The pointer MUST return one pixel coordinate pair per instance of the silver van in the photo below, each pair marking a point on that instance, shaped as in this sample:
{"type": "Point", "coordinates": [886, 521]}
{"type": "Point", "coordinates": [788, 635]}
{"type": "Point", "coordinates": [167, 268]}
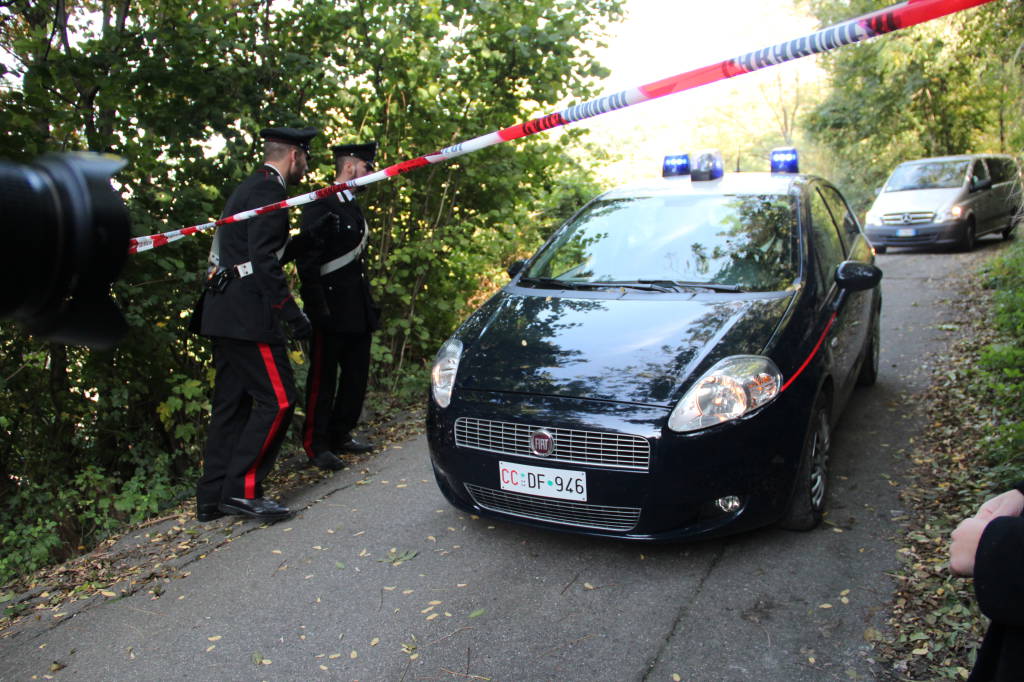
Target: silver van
{"type": "Point", "coordinates": [946, 200]}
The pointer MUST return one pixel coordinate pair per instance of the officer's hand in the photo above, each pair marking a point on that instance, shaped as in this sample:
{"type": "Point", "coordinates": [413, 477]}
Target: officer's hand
{"type": "Point", "coordinates": [299, 326]}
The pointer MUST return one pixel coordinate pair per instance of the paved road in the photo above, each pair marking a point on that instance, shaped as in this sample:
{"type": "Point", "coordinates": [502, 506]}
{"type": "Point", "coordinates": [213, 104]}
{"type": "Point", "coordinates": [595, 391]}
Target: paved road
{"type": "Point", "coordinates": [326, 595]}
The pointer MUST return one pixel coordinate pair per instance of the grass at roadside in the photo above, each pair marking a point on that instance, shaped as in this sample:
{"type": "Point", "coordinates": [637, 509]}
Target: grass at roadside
{"type": "Point", "coordinates": [973, 448]}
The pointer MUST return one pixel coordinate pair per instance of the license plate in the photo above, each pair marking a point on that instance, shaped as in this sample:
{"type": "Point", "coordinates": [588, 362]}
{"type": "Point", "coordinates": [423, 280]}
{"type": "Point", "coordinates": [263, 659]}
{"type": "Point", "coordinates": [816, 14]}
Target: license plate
{"type": "Point", "coordinates": [543, 481]}
{"type": "Point", "coordinates": [906, 232]}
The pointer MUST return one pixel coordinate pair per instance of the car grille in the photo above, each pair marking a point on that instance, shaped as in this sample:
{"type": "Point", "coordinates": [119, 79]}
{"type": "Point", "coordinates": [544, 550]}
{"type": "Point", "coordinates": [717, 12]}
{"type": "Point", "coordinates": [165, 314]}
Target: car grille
{"type": "Point", "coordinates": [578, 514]}
{"type": "Point", "coordinates": [612, 450]}
{"type": "Point", "coordinates": [909, 218]}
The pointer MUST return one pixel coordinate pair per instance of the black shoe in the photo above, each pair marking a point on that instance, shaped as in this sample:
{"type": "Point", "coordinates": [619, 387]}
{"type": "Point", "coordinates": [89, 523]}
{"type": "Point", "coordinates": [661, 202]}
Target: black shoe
{"type": "Point", "coordinates": [208, 512]}
{"type": "Point", "coordinates": [354, 445]}
{"type": "Point", "coordinates": [258, 508]}
{"type": "Point", "coordinates": [327, 460]}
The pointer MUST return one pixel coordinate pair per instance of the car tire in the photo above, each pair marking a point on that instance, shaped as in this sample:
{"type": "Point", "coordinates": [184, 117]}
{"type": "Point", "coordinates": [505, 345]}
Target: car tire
{"type": "Point", "coordinates": [967, 239]}
{"type": "Point", "coordinates": [1009, 230]}
{"type": "Point", "coordinates": [807, 504]}
{"type": "Point", "coordinates": [881, 249]}
{"type": "Point", "coordinates": [869, 368]}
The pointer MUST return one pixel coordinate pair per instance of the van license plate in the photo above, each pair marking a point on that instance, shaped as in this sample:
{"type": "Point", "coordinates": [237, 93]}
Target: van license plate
{"type": "Point", "coordinates": [906, 232]}
{"type": "Point", "coordinates": [543, 481]}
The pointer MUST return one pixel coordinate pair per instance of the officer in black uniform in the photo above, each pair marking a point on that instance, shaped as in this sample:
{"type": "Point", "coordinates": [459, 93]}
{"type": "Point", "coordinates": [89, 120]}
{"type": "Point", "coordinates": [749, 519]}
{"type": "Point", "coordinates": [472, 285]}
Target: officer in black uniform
{"type": "Point", "coordinates": [336, 293]}
{"type": "Point", "coordinates": [246, 303]}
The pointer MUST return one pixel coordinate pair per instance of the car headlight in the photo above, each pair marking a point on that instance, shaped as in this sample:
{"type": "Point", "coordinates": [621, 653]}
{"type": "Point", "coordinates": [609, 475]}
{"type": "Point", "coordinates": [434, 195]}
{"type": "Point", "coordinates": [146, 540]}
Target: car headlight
{"type": "Point", "coordinates": [729, 390]}
{"type": "Point", "coordinates": [952, 213]}
{"type": "Point", "coordinates": [442, 375]}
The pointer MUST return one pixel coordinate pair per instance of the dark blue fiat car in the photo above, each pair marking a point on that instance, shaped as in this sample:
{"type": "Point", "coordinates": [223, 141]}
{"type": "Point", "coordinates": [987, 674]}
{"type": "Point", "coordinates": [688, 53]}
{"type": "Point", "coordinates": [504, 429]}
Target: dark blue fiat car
{"type": "Point", "coordinates": [668, 365]}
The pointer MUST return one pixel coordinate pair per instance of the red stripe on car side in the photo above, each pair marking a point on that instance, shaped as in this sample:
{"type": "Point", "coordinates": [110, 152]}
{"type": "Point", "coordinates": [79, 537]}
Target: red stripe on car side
{"type": "Point", "coordinates": [814, 352]}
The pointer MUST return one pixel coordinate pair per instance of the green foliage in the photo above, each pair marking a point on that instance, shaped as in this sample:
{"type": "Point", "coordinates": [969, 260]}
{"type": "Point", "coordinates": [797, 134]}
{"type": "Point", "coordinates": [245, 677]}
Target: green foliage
{"type": "Point", "coordinates": [949, 86]}
{"type": "Point", "coordinates": [90, 440]}
{"type": "Point", "coordinates": [1001, 371]}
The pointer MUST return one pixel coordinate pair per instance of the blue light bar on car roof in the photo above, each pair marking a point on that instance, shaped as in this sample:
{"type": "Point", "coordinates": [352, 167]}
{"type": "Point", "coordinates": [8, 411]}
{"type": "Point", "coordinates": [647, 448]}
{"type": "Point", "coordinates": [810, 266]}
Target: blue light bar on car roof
{"type": "Point", "coordinates": [678, 164]}
{"type": "Point", "coordinates": [785, 160]}
{"type": "Point", "coordinates": [707, 166]}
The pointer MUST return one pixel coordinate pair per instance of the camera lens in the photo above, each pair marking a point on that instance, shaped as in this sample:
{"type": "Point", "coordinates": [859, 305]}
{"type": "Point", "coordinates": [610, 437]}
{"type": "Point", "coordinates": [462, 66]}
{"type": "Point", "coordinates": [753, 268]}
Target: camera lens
{"type": "Point", "coordinates": [66, 233]}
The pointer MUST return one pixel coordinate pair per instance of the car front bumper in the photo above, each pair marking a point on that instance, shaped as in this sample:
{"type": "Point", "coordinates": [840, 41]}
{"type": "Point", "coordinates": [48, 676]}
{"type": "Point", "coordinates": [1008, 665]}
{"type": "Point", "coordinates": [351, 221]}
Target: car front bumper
{"type": "Point", "coordinates": [672, 497]}
{"type": "Point", "coordinates": [926, 234]}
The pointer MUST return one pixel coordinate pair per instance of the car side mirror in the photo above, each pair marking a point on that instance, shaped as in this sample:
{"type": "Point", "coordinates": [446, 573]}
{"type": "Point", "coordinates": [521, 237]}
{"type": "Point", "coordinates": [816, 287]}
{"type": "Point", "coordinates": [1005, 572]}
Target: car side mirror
{"type": "Point", "coordinates": [853, 275]}
{"type": "Point", "coordinates": [515, 267]}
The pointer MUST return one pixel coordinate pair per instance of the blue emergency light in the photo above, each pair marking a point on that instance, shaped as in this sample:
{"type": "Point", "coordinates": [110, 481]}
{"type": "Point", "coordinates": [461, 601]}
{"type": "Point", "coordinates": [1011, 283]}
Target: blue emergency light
{"type": "Point", "coordinates": [678, 164]}
{"type": "Point", "coordinates": [785, 160]}
{"type": "Point", "coordinates": [707, 166]}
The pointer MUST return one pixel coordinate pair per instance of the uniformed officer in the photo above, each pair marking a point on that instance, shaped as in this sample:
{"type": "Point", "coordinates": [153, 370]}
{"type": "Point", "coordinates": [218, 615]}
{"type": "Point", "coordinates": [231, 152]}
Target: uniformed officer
{"type": "Point", "coordinates": [336, 293]}
{"type": "Point", "coordinates": [247, 301]}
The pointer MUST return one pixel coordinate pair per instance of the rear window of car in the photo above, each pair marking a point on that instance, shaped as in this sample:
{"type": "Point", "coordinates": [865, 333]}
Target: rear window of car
{"type": "Point", "coordinates": [750, 241]}
{"type": "Point", "coordinates": [927, 175]}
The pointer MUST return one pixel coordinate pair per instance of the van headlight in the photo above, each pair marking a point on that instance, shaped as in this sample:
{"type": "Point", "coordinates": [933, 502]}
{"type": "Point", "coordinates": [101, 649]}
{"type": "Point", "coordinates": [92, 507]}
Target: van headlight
{"type": "Point", "coordinates": [442, 375]}
{"type": "Point", "coordinates": [952, 213]}
{"type": "Point", "coordinates": [873, 217]}
{"type": "Point", "coordinates": [732, 388]}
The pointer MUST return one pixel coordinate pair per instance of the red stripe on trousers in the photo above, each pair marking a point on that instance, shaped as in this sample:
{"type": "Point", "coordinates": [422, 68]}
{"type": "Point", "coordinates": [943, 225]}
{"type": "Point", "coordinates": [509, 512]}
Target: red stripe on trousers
{"type": "Point", "coordinates": [282, 409]}
{"type": "Point", "coordinates": [314, 393]}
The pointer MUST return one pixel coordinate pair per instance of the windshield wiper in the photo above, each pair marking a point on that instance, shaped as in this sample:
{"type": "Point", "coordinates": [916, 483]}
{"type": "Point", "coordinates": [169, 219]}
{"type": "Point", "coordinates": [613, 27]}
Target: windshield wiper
{"type": "Point", "coordinates": [643, 284]}
{"type": "Point", "coordinates": [555, 283]}
{"type": "Point", "coordinates": [729, 288]}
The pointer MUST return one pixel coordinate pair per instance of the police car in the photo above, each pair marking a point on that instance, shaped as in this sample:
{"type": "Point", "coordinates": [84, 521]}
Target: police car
{"type": "Point", "coordinates": [669, 364]}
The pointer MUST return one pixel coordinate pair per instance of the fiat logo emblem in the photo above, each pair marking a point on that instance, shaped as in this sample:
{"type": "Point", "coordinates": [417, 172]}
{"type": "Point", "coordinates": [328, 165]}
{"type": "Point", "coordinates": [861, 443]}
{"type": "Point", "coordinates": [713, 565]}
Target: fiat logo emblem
{"type": "Point", "coordinates": [542, 443]}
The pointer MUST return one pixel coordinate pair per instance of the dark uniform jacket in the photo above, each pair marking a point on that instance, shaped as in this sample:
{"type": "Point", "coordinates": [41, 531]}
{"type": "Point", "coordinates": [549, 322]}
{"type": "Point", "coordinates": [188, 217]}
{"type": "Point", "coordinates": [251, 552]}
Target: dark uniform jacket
{"type": "Point", "coordinates": [252, 307]}
{"type": "Point", "coordinates": [999, 586]}
{"type": "Point", "coordinates": [344, 293]}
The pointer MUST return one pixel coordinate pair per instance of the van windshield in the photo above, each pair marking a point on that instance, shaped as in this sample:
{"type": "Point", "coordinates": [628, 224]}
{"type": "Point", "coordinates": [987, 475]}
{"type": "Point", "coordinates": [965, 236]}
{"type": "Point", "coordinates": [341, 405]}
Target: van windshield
{"type": "Point", "coordinates": [927, 175]}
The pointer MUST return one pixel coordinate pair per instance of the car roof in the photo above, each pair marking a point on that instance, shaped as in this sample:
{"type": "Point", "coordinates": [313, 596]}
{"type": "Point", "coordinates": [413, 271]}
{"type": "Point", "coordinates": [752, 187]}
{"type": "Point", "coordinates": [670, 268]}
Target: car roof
{"type": "Point", "coordinates": [955, 157]}
{"type": "Point", "coordinates": [729, 183]}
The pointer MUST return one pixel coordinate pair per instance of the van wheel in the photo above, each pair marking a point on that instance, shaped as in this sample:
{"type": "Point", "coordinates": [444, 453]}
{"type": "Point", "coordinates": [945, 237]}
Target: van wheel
{"type": "Point", "coordinates": [807, 505]}
{"type": "Point", "coordinates": [967, 240]}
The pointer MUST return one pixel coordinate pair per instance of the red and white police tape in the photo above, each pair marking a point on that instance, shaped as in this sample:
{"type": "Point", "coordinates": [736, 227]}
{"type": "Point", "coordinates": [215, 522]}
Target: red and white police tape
{"type": "Point", "coordinates": [883, 21]}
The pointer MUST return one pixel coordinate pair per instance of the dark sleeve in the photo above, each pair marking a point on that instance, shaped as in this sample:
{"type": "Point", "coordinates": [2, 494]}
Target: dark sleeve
{"type": "Point", "coordinates": [1019, 486]}
{"type": "Point", "coordinates": [999, 571]}
{"type": "Point", "coordinates": [307, 262]}
{"type": "Point", "coordinates": [267, 233]}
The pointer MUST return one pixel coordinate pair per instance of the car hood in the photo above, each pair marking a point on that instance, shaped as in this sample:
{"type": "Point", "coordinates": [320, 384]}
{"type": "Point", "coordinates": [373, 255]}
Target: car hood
{"type": "Point", "coordinates": [915, 200]}
{"type": "Point", "coordinates": [638, 350]}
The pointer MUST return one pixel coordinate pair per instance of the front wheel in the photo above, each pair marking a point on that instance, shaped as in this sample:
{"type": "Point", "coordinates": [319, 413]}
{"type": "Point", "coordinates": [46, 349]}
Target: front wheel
{"type": "Point", "coordinates": [968, 237]}
{"type": "Point", "coordinates": [807, 505]}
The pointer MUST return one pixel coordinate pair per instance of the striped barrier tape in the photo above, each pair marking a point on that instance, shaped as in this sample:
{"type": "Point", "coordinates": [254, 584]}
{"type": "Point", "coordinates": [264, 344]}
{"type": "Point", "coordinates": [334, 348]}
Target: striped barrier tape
{"type": "Point", "coordinates": [876, 23]}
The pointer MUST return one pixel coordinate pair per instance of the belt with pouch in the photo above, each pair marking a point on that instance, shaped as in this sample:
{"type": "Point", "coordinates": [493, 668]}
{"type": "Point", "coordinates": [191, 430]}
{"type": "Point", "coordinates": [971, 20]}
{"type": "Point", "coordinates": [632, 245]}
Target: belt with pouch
{"type": "Point", "coordinates": [218, 281]}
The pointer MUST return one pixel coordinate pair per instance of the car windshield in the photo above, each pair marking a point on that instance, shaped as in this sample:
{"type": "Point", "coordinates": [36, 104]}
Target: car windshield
{"type": "Point", "coordinates": [929, 175]}
{"type": "Point", "coordinates": [733, 242]}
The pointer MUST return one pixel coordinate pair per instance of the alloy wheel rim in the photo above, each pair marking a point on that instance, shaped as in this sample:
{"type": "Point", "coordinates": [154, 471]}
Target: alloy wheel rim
{"type": "Point", "coordinates": [819, 461]}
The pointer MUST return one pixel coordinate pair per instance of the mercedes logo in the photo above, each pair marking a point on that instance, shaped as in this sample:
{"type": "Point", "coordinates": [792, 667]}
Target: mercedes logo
{"type": "Point", "coordinates": [542, 443]}
{"type": "Point", "coordinates": [907, 219]}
